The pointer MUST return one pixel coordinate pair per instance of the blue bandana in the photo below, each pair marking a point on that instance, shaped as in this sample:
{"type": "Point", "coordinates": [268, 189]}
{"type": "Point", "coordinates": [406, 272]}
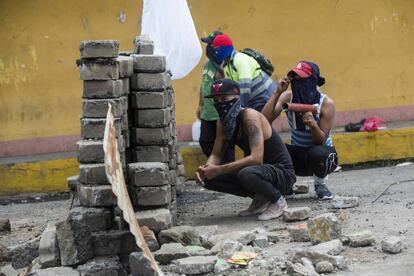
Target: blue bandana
{"type": "Point", "coordinates": [223, 52]}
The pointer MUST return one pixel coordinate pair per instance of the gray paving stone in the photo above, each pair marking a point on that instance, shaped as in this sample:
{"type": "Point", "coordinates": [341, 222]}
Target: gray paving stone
{"type": "Point", "coordinates": [92, 128]}
{"type": "Point", "coordinates": [98, 108]}
{"type": "Point", "coordinates": [143, 46]}
{"type": "Point", "coordinates": [103, 89]}
{"type": "Point", "coordinates": [49, 254]}
{"type": "Point", "coordinates": [148, 174]}
{"type": "Point", "coordinates": [56, 271]}
{"type": "Point", "coordinates": [150, 154]}
{"type": "Point", "coordinates": [153, 196]}
{"type": "Point", "coordinates": [96, 196]}
{"type": "Point", "coordinates": [91, 151]}
{"type": "Point", "coordinates": [195, 265]}
{"type": "Point", "coordinates": [98, 69]}
{"type": "Point", "coordinates": [148, 100]}
{"type": "Point", "coordinates": [99, 48]}
{"type": "Point", "coordinates": [296, 214]}
{"type": "Point", "coordinates": [98, 219]}
{"type": "Point", "coordinates": [169, 252]}
{"type": "Point", "coordinates": [140, 265]}
{"type": "Point", "coordinates": [150, 82]}
{"type": "Point", "coordinates": [149, 63]}
{"type": "Point", "coordinates": [152, 118]}
{"type": "Point", "coordinates": [93, 174]}
{"type": "Point", "coordinates": [125, 66]}
{"type": "Point", "coordinates": [113, 242]}
{"type": "Point", "coordinates": [150, 136]}
{"type": "Point", "coordinates": [154, 219]}
{"type": "Point", "coordinates": [102, 266]}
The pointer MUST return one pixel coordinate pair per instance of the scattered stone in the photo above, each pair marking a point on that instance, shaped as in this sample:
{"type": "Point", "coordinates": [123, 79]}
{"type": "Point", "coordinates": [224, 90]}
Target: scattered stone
{"type": "Point", "coordinates": [195, 265]}
{"type": "Point", "coordinates": [140, 265]}
{"type": "Point", "coordinates": [244, 237]}
{"type": "Point", "coordinates": [308, 265]}
{"type": "Point", "coordinates": [206, 231]}
{"type": "Point", "coordinates": [113, 242]}
{"type": "Point", "coordinates": [170, 252]}
{"type": "Point", "coordinates": [102, 266]}
{"type": "Point", "coordinates": [342, 202]}
{"type": "Point", "coordinates": [333, 247]}
{"type": "Point", "coordinates": [296, 214]}
{"type": "Point", "coordinates": [49, 255]}
{"type": "Point", "coordinates": [195, 250]}
{"type": "Point", "coordinates": [392, 245]}
{"type": "Point", "coordinates": [8, 270]}
{"type": "Point", "coordinates": [260, 241]}
{"type": "Point", "coordinates": [150, 238]}
{"type": "Point", "coordinates": [24, 254]}
{"type": "Point", "coordinates": [155, 219]}
{"type": "Point", "coordinates": [301, 188]}
{"type": "Point", "coordinates": [221, 266]}
{"type": "Point", "coordinates": [5, 225]}
{"type": "Point", "coordinates": [226, 248]}
{"type": "Point", "coordinates": [75, 242]}
{"type": "Point", "coordinates": [316, 257]}
{"type": "Point", "coordinates": [186, 235]}
{"type": "Point", "coordinates": [56, 271]}
{"type": "Point", "coordinates": [5, 255]}
{"type": "Point", "coordinates": [299, 232]}
{"type": "Point", "coordinates": [324, 267]}
{"type": "Point", "coordinates": [98, 219]}
{"type": "Point", "coordinates": [324, 227]}
{"type": "Point", "coordinates": [273, 236]}
{"type": "Point", "coordinates": [363, 238]}
{"type": "Point", "coordinates": [298, 269]}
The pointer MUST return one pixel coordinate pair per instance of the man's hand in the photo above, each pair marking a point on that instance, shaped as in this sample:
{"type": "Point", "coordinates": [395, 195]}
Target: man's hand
{"type": "Point", "coordinates": [283, 85]}
{"type": "Point", "coordinates": [308, 120]}
{"type": "Point", "coordinates": [198, 112]}
{"type": "Point", "coordinates": [200, 177]}
{"type": "Point", "coordinates": [209, 171]}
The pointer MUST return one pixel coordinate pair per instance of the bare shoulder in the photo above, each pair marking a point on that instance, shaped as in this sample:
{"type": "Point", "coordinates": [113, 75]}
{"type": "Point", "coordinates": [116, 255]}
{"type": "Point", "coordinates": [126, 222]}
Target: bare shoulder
{"type": "Point", "coordinates": [328, 101]}
{"type": "Point", "coordinates": [328, 107]}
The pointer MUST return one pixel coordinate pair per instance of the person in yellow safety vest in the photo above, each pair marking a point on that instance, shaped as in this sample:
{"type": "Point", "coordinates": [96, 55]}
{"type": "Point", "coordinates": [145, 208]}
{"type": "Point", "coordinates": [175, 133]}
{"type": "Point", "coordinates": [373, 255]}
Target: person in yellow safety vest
{"type": "Point", "coordinates": [256, 87]}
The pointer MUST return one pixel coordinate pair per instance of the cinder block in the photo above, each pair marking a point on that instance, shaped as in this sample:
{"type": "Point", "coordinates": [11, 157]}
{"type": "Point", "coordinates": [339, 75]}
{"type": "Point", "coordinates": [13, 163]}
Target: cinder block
{"type": "Point", "coordinates": [173, 194]}
{"type": "Point", "coordinates": [96, 196]}
{"type": "Point", "coordinates": [92, 128]}
{"type": "Point", "coordinates": [125, 86]}
{"type": "Point", "coordinates": [150, 136]}
{"type": "Point", "coordinates": [170, 94]}
{"type": "Point", "coordinates": [154, 219]}
{"type": "Point", "coordinates": [75, 242]}
{"type": "Point", "coordinates": [98, 219]}
{"type": "Point", "coordinates": [73, 182]}
{"type": "Point", "coordinates": [91, 151]}
{"type": "Point", "coordinates": [125, 122]}
{"type": "Point", "coordinates": [143, 46]}
{"type": "Point", "coordinates": [153, 196]}
{"type": "Point", "coordinates": [99, 48]}
{"type": "Point", "coordinates": [173, 177]}
{"type": "Point", "coordinates": [113, 242]}
{"type": "Point", "coordinates": [148, 100]}
{"type": "Point", "coordinates": [150, 154]}
{"type": "Point", "coordinates": [180, 170]}
{"type": "Point", "coordinates": [98, 108]}
{"type": "Point", "coordinates": [103, 89]}
{"type": "Point", "coordinates": [98, 69]}
{"type": "Point", "coordinates": [150, 82]}
{"type": "Point", "coordinates": [172, 164]}
{"type": "Point", "coordinates": [125, 66]}
{"type": "Point", "coordinates": [127, 141]}
{"type": "Point", "coordinates": [152, 117]}
{"type": "Point", "coordinates": [149, 63]}
{"type": "Point", "coordinates": [148, 174]}
{"type": "Point", "coordinates": [92, 174]}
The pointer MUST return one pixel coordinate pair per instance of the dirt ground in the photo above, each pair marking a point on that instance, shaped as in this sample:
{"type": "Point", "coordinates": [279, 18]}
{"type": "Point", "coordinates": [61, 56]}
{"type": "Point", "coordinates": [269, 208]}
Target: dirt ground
{"type": "Point", "coordinates": [392, 214]}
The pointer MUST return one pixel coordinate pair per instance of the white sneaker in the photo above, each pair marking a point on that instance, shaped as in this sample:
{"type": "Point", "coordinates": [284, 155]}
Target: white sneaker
{"type": "Point", "coordinates": [274, 210]}
{"type": "Point", "coordinates": [257, 206]}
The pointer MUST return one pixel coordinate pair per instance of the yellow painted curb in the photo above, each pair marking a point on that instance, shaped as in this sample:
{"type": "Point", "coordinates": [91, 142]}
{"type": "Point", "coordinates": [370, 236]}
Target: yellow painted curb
{"type": "Point", "coordinates": [37, 177]}
{"type": "Point", "coordinates": [352, 148]}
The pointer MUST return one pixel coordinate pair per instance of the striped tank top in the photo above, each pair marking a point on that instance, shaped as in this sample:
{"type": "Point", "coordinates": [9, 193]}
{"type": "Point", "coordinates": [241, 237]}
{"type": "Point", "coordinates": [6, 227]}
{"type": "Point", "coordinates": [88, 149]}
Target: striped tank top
{"type": "Point", "coordinates": [303, 138]}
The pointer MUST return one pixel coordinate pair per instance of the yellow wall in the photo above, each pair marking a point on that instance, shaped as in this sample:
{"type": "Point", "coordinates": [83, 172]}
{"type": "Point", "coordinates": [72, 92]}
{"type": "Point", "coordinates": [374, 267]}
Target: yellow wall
{"type": "Point", "coordinates": [364, 49]}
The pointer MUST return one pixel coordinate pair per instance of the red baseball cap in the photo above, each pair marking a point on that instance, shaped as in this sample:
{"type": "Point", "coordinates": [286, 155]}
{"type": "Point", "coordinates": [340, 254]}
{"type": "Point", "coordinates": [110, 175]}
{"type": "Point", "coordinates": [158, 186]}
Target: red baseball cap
{"type": "Point", "coordinates": [222, 40]}
{"type": "Point", "coordinates": [302, 69]}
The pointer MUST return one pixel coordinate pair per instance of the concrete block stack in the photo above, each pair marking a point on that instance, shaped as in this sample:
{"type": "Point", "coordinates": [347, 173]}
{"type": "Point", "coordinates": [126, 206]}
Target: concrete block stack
{"type": "Point", "coordinates": [154, 172]}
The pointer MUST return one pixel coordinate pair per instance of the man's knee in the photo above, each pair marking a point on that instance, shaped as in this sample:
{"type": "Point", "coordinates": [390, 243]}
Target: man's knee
{"type": "Point", "coordinates": [320, 160]}
{"type": "Point", "coordinates": [247, 175]}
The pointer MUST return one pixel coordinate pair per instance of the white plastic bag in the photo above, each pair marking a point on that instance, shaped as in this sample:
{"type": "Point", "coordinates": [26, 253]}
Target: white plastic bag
{"type": "Point", "coordinates": [170, 25]}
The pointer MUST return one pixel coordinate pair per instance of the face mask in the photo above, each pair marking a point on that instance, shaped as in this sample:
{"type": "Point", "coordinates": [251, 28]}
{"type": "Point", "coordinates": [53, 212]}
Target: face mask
{"type": "Point", "coordinates": [228, 112]}
{"type": "Point", "coordinates": [223, 52]}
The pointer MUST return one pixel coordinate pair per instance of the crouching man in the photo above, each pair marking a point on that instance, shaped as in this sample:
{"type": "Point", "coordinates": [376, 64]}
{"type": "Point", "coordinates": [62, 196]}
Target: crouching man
{"type": "Point", "coordinates": [265, 173]}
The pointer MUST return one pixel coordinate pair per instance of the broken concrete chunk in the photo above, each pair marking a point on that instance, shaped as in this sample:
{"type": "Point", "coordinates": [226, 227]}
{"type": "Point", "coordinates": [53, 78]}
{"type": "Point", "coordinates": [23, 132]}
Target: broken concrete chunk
{"type": "Point", "coordinates": [5, 225]}
{"type": "Point", "coordinates": [102, 266]}
{"type": "Point", "coordinates": [342, 202]}
{"type": "Point", "coordinates": [260, 241]}
{"type": "Point", "coordinates": [324, 227]}
{"type": "Point", "coordinates": [55, 271]}
{"type": "Point", "coordinates": [195, 250]}
{"type": "Point", "coordinates": [148, 174]}
{"type": "Point", "coordinates": [24, 254]}
{"type": "Point", "coordinates": [98, 219]}
{"type": "Point", "coordinates": [363, 238]}
{"type": "Point", "coordinates": [391, 245]}
{"type": "Point", "coordinates": [140, 265]}
{"type": "Point", "coordinates": [75, 242]}
{"type": "Point", "coordinates": [49, 255]}
{"type": "Point", "coordinates": [155, 219]}
{"type": "Point", "coordinates": [221, 266]}
{"type": "Point", "coordinates": [5, 255]}
{"type": "Point", "coordinates": [273, 236]}
{"type": "Point", "coordinates": [186, 235]}
{"type": "Point", "coordinates": [226, 248]}
{"type": "Point", "coordinates": [299, 232]}
{"type": "Point", "coordinates": [244, 237]}
{"type": "Point", "coordinates": [316, 257]}
{"type": "Point", "coordinates": [299, 269]}
{"type": "Point", "coordinates": [8, 270]}
{"type": "Point", "coordinates": [301, 188]}
{"type": "Point", "coordinates": [150, 238]}
{"type": "Point", "coordinates": [324, 267]}
{"type": "Point", "coordinates": [99, 48]}
{"type": "Point", "coordinates": [113, 242]}
{"type": "Point", "coordinates": [206, 231]}
{"type": "Point", "coordinates": [296, 214]}
{"type": "Point", "coordinates": [195, 265]}
{"type": "Point", "coordinates": [333, 247]}
{"type": "Point", "coordinates": [170, 252]}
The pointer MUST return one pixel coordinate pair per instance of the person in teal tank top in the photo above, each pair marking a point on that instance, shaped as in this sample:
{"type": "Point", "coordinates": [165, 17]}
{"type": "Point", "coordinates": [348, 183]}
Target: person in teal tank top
{"type": "Point", "coordinates": [311, 148]}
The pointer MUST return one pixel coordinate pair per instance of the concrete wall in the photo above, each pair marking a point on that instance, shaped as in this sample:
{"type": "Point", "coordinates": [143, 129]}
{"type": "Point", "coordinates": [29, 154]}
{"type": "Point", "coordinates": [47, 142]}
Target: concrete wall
{"type": "Point", "coordinates": [364, 49]}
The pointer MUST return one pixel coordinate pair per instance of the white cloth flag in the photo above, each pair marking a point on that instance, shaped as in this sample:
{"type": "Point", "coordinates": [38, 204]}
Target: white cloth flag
{"type": "Point", "coordinates": [170, 25]}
